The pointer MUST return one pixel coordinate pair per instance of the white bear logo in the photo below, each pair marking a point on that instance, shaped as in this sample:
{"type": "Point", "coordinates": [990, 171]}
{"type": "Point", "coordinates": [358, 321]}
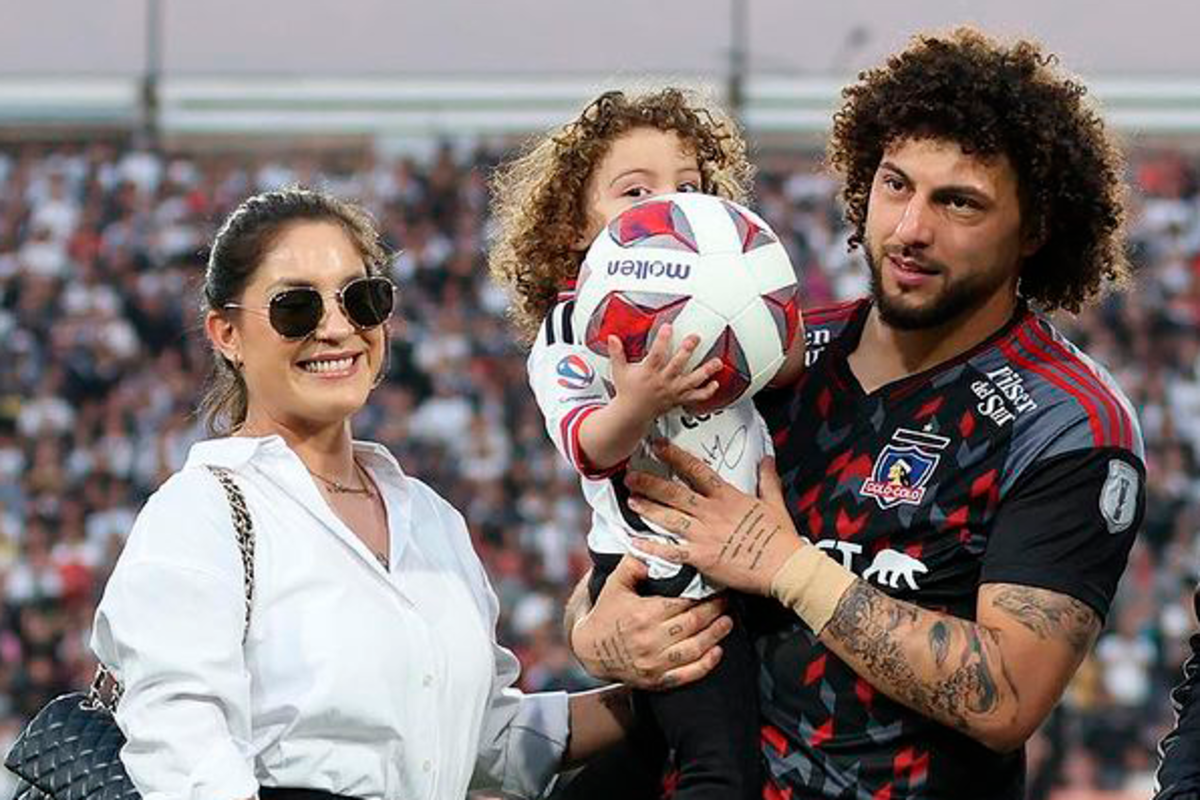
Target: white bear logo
{"type": "Point", "coordinates": [890, 566]}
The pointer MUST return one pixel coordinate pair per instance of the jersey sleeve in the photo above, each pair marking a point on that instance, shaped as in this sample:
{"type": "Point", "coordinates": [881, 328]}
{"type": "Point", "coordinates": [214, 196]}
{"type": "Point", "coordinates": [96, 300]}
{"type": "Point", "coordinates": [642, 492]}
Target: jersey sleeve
{"type": "Point", "coordinates": [567, 381]}
{"type": "Point", "coordinates": [1068, 526]}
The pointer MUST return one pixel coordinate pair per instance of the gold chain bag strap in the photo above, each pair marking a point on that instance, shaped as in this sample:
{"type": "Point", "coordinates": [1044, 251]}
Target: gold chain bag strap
{"type": "Point", "coordinates": [71, 749]}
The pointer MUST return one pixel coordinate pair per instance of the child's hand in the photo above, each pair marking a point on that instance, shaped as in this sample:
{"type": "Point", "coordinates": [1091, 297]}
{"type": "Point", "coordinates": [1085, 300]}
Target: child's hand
{"type": "Point", "coordinates": [659, 382]}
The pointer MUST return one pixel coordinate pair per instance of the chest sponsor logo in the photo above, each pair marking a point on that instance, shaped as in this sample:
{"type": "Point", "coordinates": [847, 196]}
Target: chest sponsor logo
{"type": "Point", "coordinates": [888, 568]}
{"type": "Point", "coordinates": [1118, 497]}
{"type": "Point", "coordinates": [1003, 396]}
{"type": "Point", "coordinates": [574, 373]}
{"type": "Point", "coordinates": [904, 467]}
{"type": "Point", "coordinates": [815, 342]}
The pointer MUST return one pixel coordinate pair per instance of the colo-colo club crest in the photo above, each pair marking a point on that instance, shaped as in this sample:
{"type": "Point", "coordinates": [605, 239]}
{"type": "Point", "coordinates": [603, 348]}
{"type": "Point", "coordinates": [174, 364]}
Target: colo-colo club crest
{"type": "Point", "coordinates": [904, 467]}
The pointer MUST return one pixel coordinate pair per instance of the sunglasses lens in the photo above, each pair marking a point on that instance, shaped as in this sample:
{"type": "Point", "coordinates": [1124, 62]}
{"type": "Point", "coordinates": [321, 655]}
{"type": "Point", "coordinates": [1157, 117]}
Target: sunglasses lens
{"type": "Point", "coordinates": [369, 301]}
{"type": "Point", "coordinates": [295, 313]}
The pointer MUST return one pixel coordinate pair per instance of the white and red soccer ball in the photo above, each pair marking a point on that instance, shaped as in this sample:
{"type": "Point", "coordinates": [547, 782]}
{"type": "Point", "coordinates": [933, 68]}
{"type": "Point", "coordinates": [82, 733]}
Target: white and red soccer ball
{"type": "Point", "coordinates": [706, 265]}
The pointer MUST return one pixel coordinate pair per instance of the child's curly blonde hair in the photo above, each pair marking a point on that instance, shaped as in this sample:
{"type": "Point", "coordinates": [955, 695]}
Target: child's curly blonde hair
{"type": "Point", "coordinates": [538, 198]}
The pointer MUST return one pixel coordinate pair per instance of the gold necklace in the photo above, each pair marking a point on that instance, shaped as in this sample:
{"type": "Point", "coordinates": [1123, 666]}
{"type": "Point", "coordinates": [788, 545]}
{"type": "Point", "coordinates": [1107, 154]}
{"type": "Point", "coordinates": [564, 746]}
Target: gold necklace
{"type": "Point", "coordinates": [337, 487]}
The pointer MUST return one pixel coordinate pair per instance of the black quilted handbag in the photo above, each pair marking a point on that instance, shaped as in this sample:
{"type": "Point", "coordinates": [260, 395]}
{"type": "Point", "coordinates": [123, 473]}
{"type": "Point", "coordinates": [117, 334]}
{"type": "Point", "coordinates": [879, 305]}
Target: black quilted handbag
{"type": "Point", "coordinates": [71, 749]}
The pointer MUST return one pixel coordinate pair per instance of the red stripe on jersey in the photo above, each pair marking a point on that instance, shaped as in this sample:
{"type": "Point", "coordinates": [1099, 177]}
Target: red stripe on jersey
{"type": "Point", "coordinates": [820, 315]}
{"type": "Point", "coordinates": [1073, 364]}
{"type": "Point", "coordinates": [1035, 340]}
{"type": "Point", "coordinates": [1077, 386]}
{"type": "Point", "coordinates": [564, 431]}
{"type": "Point", "coordinates": [569, 429]}
{"type": "Point", "coordinates": [1010, 352]}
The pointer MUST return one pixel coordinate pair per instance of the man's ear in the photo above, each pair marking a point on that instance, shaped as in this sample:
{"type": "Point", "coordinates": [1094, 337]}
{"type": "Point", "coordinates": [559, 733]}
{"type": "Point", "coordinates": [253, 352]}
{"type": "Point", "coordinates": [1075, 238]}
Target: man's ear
{"type": "Point", "coordinates": [224, 336]}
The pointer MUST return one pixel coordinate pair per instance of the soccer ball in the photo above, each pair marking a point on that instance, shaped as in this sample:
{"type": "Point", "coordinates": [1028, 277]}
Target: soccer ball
{"type": "Point", "coordinates": [706, 265]}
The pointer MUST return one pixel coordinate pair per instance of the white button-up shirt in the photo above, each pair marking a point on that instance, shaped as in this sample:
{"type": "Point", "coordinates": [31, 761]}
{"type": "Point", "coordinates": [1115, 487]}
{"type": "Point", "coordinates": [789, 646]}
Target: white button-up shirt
{"type": "Point", "coordinates": [353, 679]}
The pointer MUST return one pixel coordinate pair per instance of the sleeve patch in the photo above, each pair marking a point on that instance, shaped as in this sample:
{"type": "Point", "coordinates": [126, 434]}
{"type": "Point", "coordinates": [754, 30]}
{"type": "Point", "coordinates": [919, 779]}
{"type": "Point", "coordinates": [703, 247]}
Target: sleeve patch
{"type": "Point", "coordinates": [1118, 497]}
{"type": "Point", "coordinates": [574, 373]}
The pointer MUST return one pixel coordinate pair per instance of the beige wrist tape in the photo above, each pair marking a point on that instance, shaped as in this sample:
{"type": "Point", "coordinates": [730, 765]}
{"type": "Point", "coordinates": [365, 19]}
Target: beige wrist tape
{"type": "Point", "coordinates": [811, 584]}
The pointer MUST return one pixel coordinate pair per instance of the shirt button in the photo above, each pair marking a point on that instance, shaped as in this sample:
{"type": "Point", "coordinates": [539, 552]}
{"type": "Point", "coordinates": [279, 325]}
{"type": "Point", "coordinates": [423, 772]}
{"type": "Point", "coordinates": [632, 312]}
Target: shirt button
{"type": "Point", "coordinates": [428, 765]}
{"type": "Point", "coordinates": [428, 681]}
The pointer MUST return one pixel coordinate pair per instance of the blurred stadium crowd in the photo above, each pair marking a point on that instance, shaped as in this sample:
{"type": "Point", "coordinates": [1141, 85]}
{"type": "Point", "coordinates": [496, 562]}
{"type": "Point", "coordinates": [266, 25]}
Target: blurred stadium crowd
{"type": "Point", "coordinates": [102, 360]}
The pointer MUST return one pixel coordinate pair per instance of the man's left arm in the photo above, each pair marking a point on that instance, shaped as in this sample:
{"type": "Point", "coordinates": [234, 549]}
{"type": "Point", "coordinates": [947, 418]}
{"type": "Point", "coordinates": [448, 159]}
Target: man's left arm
{"type": "Point", "coordinates": [994, 679]}
{"type": "Point", "coordinates": [1057, 548]}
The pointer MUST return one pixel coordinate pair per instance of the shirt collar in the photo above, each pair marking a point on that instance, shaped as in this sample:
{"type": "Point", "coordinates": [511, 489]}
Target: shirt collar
{"type": "Point", "coordinates": [271, 456]}
{"type": "Point", "coordinates": [235, 451]}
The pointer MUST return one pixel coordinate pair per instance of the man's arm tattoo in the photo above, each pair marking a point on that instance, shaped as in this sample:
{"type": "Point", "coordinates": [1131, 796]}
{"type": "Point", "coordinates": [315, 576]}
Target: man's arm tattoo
{"type": "Point", "coordinates": [939, 641]}
{"type": "Point", "coordinates": [1049, 614]}
{"type": "Point", "coordinates": [878, 633]}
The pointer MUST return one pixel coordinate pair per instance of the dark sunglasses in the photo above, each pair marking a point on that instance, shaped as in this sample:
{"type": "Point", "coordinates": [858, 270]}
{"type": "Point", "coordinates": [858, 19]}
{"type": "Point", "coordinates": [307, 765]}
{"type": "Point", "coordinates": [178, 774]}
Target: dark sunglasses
{"type": "Point", "coordinates": [296, 313]}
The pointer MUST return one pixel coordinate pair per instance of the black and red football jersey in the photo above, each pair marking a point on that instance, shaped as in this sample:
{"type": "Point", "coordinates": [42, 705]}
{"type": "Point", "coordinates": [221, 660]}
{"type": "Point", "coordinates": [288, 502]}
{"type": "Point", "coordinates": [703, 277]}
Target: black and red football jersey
{"type": "Point", "coordinates": [1019, 461]}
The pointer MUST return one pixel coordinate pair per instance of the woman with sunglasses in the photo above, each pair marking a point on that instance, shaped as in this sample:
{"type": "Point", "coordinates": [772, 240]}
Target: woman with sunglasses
{"type": "Point", "coordinates": [369, 666]}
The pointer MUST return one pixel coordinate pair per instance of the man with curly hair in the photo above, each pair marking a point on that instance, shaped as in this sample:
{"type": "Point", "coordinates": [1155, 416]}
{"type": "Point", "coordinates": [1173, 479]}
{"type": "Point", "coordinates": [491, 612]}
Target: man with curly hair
{"type": "Point", "coordinates": [971, 481]}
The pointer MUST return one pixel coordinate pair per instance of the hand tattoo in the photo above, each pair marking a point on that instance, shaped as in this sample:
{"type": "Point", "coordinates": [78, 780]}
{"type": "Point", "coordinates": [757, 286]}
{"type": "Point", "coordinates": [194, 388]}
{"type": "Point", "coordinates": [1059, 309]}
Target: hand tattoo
{"type": "Point", "coordinates": [752, 534]}
{"type": "Point", "coordinates": [613, 654]}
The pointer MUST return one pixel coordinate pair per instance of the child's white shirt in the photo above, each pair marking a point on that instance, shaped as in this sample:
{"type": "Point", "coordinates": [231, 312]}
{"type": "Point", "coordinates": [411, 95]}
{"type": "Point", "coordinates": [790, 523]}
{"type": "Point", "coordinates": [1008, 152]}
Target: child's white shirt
{"type": "Point", "coordinates": [571, 382]}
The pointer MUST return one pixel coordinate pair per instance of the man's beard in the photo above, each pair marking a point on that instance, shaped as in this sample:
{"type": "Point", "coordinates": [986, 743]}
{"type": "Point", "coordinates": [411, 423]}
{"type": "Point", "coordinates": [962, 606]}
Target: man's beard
{"type": "Point", "coordinates": [958, 299]}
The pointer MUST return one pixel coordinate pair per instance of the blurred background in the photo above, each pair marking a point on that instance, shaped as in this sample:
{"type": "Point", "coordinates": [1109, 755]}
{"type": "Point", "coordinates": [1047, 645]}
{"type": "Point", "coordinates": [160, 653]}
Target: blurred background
{"type": "Point", "coordinates": [129, 128]}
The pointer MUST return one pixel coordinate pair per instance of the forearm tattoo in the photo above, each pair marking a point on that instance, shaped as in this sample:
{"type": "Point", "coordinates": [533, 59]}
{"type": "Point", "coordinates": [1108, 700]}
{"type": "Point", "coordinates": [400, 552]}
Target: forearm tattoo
{"type": "Point", "coordinates": [939, 642]}
{"type": "Point", "coordinates": [1049, 615]}
{"type": "Point", "coordinates": [880, 637]}
{"type": "Point", "coordinates": [750, 538]}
